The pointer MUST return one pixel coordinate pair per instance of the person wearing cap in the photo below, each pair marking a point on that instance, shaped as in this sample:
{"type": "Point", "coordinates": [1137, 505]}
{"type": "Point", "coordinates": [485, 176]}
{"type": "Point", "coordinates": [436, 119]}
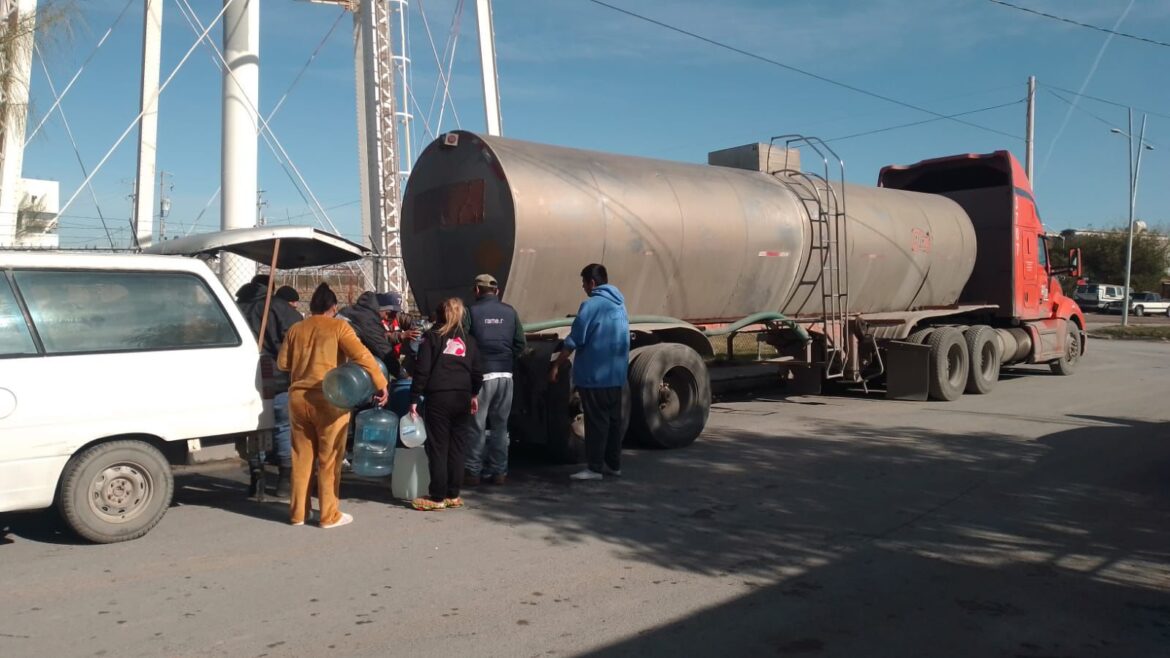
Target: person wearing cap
{"type": "Point", "coordinates": [389, 305]}
{"type": "Point", "coordinates": [497, 330]}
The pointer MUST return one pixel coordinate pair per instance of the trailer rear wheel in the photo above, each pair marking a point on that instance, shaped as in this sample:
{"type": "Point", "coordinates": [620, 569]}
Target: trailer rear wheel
{"type": "Point", "coordinates": [919, 337]}
{"type": "Point", "coordinates": [670, 396]}
{"type": "Point", "coordinates": [116, 491]}
{"type": "Point", "coordinates": [949, 363]}
{"type": "Point", "coordinates": [1067, 363]}
{"type": "Point", "coordinates": [983, 351]}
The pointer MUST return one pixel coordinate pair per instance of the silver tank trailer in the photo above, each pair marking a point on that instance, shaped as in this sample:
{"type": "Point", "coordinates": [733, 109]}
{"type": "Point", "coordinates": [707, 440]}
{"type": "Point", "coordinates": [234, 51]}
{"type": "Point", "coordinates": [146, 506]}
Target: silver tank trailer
{"type": "Point", "coordinates": [695, 242]}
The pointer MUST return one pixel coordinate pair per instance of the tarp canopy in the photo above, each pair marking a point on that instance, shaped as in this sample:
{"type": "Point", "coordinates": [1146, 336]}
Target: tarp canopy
{"type": "Point", "coordinates": [300, 246]}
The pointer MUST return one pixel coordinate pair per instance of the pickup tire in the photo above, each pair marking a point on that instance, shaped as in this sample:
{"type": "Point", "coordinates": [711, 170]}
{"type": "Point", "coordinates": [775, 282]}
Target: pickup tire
{"type": "Point", "coordinates": [1139, 310]}
{"type": "Point", "coordinates": [116, 491]}
{"type": "Point", "coordinates": [983, 350]}
{"type": "Point", "coordinates": [1067, 363]}
{"type": "Point", "coordinates": [670, 396]}
{"type": "Point", "coordinates": [949, 363]}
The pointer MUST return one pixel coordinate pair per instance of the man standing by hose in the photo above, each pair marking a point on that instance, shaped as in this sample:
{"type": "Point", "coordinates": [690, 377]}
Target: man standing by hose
{"type": "Point", "coordinates": [601, 338]}
{"type": "Point", "coordinates": [496, 328]}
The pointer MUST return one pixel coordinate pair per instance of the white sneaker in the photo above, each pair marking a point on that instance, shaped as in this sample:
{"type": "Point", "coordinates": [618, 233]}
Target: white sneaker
{"type": "Point", "coordinates": [586, 474]}
{"type": "Point", "coordinates": [345, 519]}
{"type": "Point", "coordinates": [617, 473]}
{"type": "Point", "coordinates": [346, 467]}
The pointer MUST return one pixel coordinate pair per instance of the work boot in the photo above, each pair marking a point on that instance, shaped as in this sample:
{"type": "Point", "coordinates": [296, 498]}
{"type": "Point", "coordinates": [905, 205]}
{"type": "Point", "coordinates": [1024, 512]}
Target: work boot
{"type": "Point", "coordinates": [499, 478]}
{"type": "Point", "coordinates": [284, 482]}
{"type": "Point", "coordinates": [256, 486]}
{"type": "Point", "coordinates": [470, 479]}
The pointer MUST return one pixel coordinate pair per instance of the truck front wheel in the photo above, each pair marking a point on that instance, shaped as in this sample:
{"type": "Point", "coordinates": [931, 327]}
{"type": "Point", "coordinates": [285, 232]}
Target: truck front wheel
{"type": "Point", "coordinates": [1067, 363]}
{"type": "Point", "coordinates": [670, 393]}
{"type": "Point", "coordinates": [116, 491]}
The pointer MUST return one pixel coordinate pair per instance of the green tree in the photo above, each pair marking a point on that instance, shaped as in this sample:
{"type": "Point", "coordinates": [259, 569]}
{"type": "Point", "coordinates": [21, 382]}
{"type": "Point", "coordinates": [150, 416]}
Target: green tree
{"type": "Point", "coordinates": [1103, 257]}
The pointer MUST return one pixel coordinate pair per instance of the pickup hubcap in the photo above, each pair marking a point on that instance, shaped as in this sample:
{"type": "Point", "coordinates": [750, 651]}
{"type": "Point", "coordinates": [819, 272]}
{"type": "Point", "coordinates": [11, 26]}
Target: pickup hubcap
{"type": "Point", "coordinates": [120, 492]}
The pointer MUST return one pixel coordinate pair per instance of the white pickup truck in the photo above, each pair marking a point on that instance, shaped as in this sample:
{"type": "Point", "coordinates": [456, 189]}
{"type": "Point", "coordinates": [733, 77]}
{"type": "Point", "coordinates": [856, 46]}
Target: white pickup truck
{"type": "Point", "coordinates": [1143, 303]}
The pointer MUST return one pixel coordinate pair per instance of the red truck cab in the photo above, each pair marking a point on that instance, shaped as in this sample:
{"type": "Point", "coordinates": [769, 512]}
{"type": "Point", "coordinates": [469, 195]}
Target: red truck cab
{"type": "Point", "coordinates": [1013, 269]}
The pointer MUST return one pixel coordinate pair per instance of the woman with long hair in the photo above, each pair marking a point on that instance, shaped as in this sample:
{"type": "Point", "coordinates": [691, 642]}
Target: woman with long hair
{"type": "Point", "coordinates": [312, 348]}
{"type": "Point", "coordinates": [448, 376]}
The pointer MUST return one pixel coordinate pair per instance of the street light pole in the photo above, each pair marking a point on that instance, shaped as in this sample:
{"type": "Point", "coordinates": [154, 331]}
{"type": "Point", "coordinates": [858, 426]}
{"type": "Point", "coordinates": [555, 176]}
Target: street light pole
{"type": "Point", "coordinates": [1135, 170]}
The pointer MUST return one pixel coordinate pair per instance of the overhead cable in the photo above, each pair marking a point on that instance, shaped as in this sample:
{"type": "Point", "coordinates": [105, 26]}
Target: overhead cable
{"type": "Point", "coordinates": [77, 75]}
{"type": "Point", "coordinates": [789, 67]}
{"type": "Point", "coordinates": [1107, 101]}
{"type": "Point", "coordinates": [1070, 21]}
{"type": "Point", "coordinates": [919, 123]}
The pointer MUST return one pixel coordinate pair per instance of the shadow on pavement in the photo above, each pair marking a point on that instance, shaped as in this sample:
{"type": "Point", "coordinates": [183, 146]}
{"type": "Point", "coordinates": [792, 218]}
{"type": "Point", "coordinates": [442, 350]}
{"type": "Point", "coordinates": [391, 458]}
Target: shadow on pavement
{"type": "Point", "coordinates": [858, 541]}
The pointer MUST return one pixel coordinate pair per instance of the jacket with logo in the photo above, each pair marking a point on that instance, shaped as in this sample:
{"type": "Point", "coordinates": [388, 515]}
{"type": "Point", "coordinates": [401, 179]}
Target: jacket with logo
{"type": "Point", "coordinates": [497, 331]}
{"type": "Point", "coordinates": [446, 364]}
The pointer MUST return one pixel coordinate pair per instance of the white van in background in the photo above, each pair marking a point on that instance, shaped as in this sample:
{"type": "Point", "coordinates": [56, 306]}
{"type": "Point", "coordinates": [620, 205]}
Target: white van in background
{"type": "Point", "coordinates": [109, 366]}
{"type": "Point", "coordinates": [1097, 296]}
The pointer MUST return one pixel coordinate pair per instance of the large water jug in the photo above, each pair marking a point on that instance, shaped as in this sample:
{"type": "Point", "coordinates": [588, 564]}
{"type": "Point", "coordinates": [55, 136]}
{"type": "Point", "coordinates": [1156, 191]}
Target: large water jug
{"type": "Point", "coordinates": [400, 397]}
{"type": "Point", "coordinates": [413, 433]}
{"type": "Point", "coordinates": [412, 475]}
{"type": "Point", "coordinates": [375, 437]}
{"type": "Point", "coordinates": [383, 368]}
{"type": "Point", "coordinates": [348, 385]}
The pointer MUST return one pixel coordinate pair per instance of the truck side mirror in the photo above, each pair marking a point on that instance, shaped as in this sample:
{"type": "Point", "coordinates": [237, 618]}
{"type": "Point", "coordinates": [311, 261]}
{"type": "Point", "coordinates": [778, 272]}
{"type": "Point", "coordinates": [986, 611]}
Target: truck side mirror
{"type": "Point", "coordinates": [1074, 263]}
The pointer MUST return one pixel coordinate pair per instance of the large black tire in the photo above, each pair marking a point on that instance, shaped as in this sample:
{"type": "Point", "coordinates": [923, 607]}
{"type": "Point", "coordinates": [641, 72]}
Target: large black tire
{"type": "Point", "coordinates": [949, 363]}
{"type": "Point", "coordinates": [670, 396]}
{"type": "Point", "coordinates": [116, 491]}
{"type": "Point", "coordinates": [919, 337]}
{"type": "Point", "coordinates": [1139, 310]}
{"type": "Point", "coordinates": [1067, 363]}
{"type": "Point", "coordinates": [984, 352]}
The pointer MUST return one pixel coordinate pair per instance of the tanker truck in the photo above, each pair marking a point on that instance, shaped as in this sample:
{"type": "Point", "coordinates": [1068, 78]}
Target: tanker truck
{"type": "Point", "coordinates": [925, 285]}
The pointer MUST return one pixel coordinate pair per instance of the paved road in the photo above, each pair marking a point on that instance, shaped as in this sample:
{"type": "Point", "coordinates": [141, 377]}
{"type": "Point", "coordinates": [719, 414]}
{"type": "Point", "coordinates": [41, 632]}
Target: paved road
{"type": "Point", "coordinates": [1034, 521]}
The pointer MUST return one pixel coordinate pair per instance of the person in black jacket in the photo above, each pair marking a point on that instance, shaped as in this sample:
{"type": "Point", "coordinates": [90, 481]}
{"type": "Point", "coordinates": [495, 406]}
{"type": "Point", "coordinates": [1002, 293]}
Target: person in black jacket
{"type": "Point", "coordinates": [281, 317]}
{"type": "Point", "coordinates": [449, 374]}
{"type": "Point", "coordinates": [497, 331]}
{"type": "Point", "coordinates": [365, 316]}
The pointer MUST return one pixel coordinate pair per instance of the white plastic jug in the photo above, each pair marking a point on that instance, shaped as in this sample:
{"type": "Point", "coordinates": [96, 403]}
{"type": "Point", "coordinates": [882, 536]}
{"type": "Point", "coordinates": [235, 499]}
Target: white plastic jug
{"type": "Point", "coordinates": [412, 433]}
{"type": "Point", "coordinates": [412, 475]}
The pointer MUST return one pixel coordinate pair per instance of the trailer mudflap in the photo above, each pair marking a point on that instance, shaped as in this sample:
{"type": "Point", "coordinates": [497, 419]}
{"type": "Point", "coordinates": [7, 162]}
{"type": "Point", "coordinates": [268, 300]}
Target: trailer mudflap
{"type": "Point", "coordinates": [907, 371]}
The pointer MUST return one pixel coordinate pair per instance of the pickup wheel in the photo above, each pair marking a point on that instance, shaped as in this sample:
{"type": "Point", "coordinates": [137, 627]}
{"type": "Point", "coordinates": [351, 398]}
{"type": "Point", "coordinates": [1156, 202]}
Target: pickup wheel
{"type": "Point", "coordinates": [116, 491]}
{"type": "Point", "coordinates": [670, 396]}
{"type": "Point", "coordinates": [1139, 310]}
{"type": "Point", "coordinates": [1067, 363]}
{"type": "Point", "coordinates": [983, 350]}
{"type": "Point", "coordinates": [949, 363]}
{"type": "Point", "coordinates": [1168, 311]}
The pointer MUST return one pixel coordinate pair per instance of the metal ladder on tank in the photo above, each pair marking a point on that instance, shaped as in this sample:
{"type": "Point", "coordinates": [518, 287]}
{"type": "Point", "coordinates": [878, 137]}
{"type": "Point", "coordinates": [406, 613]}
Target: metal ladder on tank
{"type": "Point", "coordinates": [830, 233]}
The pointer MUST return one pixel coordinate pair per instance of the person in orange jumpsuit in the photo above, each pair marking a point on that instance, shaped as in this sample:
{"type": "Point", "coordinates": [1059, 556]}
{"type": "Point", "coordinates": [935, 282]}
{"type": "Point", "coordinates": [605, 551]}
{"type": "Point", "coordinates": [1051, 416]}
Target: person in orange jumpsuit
{"type": "Point", "coordinates": [312, 348]}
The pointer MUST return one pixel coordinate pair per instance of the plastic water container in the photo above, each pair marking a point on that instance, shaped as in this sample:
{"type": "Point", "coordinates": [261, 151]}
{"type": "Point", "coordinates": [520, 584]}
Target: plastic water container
{"type": "Point", "coordinates": [383, 368]}
{"type": "Point", "coordinates": [412, 433]}
{"type": "Point", "coordinates": [400, 397]}
{"type": "Point", "coordinates": [348, 386]}
{"type": "Point", "coordinates": [374, 439]}
{"type": "Point", "coordinates": [412, 475]}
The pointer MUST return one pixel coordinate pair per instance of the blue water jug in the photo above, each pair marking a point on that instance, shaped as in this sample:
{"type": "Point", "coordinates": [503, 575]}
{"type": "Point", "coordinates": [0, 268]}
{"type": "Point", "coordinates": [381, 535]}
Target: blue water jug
{"type": "Point", "coordinates": [399, 397]}
{"type": "Point", "coordinates": [348, 386]}
{"type": "Point", "coordinates": [383, 368]}
{"type": "Point", "coordinates": [374, 440]}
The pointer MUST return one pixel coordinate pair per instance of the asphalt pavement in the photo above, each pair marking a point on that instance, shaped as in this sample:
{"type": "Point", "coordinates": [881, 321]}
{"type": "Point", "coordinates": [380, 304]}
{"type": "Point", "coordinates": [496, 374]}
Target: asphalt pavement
{"type": "Point", "coordinates": [1033, 521]}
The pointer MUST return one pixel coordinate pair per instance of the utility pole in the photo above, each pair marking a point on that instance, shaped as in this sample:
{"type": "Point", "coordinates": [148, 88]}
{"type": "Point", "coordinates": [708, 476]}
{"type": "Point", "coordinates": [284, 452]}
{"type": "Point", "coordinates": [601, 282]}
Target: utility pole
{"type": "Point", "coordinates": [164, 204]}
{"type": "Point", "coordinates": [1030, 134]}
{"type": "Point", "coordinates": [260, 203]}
{"type": "Point", "coordinates": [240, 146]}
{"type": "Point", "coordinates": [19, 18]}
{"type": "Point", "coordinates": [487, 59]}
{"type": "Point", "coordinates": [1135, 170]}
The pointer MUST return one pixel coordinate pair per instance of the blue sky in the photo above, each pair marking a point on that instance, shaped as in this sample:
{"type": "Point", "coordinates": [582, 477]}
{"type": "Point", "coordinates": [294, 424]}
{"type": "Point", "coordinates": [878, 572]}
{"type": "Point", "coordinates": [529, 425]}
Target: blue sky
{"type": "Point", "coordinates": [578, 74]}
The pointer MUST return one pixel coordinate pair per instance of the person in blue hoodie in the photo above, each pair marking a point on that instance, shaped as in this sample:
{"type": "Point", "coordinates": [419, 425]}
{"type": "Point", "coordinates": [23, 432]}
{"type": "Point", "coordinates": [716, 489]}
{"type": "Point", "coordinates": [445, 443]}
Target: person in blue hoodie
{"type": "Point", "coordinates": [601, 338]}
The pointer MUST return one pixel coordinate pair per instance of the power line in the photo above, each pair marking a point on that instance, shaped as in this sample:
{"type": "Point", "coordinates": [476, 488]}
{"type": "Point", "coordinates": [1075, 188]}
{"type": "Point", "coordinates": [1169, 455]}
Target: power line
{"type": "Point", "coordinates": [789, 67]}
{"type": "Point", "coordinates": [1080, 24]}
{"type": "Point", "coordinates": [1107, 122]}
{"type": "Point", "coordinates": [1107, 101]}
{"type": "Point", "coordinates": [919, 123]}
